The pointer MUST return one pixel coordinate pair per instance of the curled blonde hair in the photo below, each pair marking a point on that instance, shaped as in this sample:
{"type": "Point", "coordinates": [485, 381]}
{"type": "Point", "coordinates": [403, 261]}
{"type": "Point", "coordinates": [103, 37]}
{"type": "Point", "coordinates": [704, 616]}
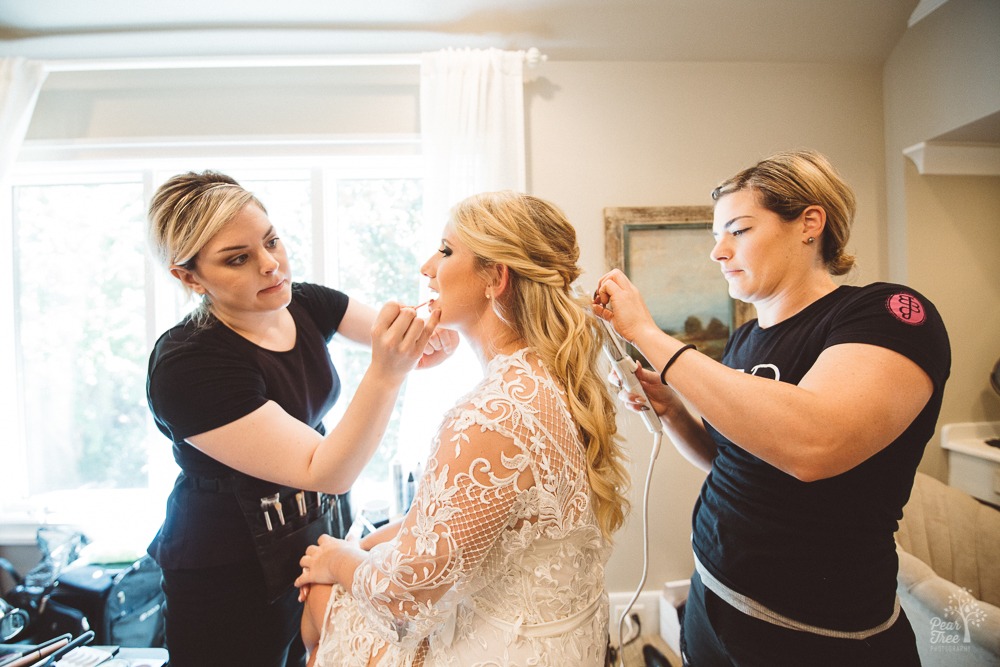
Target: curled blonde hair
{"type": "Point", "coordinates": [186, 212]}
{"type": "Point", "coordinates": [537, 244]}
{"type": "Point", "coordinates": [787, 183]}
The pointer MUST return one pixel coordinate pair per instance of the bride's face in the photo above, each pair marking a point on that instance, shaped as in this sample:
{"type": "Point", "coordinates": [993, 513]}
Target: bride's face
{"type": "Point", "coordinates": [461, 290]}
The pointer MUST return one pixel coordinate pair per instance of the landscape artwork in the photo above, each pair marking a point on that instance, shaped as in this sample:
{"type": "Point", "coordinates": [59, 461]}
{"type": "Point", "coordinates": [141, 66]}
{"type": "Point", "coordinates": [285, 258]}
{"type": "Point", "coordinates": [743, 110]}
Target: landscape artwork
{"type": "Point", "coordinates": [665, 252]}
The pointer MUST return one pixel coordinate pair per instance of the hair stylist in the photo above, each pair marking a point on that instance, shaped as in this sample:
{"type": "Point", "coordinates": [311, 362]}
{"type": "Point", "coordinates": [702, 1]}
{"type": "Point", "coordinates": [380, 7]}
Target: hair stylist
{"type": "Point", "coordinates": [811, 429]}
{"type": "Point", "coordinates": [241, 386]}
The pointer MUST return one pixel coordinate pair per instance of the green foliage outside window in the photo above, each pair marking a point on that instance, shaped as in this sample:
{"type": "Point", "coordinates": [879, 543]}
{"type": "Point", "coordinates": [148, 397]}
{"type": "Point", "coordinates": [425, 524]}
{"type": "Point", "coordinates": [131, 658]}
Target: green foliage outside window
{"type": "Point", "coordinates": [379, 256]}
{"type": "Point", "coordinates": [81, 307]}
{"type": "Point", "coordinates": [83, 311]}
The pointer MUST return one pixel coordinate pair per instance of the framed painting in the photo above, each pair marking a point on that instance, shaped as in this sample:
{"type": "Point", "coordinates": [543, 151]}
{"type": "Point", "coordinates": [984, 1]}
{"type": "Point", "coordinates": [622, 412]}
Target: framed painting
{"type": "Point", "coordinates": [665, 252]}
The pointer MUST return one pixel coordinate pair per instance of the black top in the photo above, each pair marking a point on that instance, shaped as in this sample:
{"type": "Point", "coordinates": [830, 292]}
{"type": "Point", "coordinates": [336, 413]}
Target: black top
{"type": "Point", "coordinates": [821, 552]}
{"type": "Point", "coordinates": [203, 378]}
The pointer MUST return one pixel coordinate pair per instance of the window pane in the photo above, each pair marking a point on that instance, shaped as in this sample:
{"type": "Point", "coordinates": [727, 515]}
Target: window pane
{"type": "Point", "coordinates": [378, 257]}
{"type": "Point", "coordinates": [289, 207]}
{"type": "Point", "coordinates": [80, 323]}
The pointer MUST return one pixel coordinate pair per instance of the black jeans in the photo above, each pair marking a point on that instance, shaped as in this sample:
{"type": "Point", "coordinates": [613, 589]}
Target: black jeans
{"type": "Point", "coordinates": [715, 634]}
{"type": "Point", "coordinates": [219, 616]}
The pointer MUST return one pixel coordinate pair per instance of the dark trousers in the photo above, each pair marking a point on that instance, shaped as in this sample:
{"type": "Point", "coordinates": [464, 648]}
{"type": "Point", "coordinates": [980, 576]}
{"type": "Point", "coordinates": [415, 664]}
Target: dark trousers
{"type": "Point", "coordinates": [715, 634]}
{"type": "Point", "coordinates": [219, 616]}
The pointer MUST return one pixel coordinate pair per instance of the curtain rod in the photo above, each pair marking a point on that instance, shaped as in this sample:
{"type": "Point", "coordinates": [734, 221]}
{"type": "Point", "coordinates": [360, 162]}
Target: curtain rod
{"type": "Point", "coordinates": [532, 58]}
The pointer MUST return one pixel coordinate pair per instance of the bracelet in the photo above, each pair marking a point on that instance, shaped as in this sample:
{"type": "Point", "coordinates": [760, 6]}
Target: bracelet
{"type": "Point", "coordinates": [670, 362]}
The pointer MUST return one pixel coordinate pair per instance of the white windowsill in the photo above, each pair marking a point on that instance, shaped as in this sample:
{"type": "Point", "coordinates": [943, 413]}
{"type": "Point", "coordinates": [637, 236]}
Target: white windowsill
{"type": "Point", "coordinates": [119, 522]}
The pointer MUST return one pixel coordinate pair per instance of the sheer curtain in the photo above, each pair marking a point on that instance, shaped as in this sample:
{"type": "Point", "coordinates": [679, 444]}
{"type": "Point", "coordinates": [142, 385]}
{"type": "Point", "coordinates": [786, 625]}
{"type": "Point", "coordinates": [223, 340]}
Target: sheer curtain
{"type": "Point", "coordinates": [472, 124]}
{"type": "Point", "coordinates": [20, 81]}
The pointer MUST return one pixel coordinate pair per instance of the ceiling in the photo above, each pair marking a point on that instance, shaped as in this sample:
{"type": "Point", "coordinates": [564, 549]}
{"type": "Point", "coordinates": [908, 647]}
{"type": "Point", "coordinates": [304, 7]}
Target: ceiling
{"type": "Point", "coordinates": [861, 32]}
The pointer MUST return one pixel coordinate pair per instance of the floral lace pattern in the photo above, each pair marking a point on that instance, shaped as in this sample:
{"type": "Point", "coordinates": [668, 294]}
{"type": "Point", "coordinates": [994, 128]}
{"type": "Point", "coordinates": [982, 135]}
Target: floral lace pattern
{"type": "Point", "coordinates": [500, 560]}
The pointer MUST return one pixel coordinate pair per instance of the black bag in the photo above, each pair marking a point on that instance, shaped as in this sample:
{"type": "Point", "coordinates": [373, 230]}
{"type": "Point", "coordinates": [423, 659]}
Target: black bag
{"type": "Point", "coordinates": [124, 605]}
{"type": "Point", "coordinates": [134, 615]}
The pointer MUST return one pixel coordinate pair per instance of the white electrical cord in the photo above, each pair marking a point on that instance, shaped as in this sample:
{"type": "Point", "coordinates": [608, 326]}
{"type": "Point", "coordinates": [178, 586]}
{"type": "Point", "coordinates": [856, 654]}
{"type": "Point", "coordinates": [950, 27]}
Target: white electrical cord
{"type": "Point", "coordinates": [657, 440]}
{"type": "Point", "coordinates": [625, 368]}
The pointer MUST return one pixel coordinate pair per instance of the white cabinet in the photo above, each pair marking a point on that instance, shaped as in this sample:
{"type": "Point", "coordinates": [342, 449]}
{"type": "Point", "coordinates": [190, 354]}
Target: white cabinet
{"type": "Point", "coordinates": [973, 466]}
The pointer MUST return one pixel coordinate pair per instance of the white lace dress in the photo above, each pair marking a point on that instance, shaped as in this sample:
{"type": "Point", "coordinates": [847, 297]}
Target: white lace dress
{"type": "Point", "coordinates": [500, 560]}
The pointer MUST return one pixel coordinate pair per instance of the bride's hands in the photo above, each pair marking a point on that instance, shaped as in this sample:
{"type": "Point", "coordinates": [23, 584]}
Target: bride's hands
{"type": "Point", "coordinates": [440, 346]}
{"type": "Point", "coordinates": [319, 564]}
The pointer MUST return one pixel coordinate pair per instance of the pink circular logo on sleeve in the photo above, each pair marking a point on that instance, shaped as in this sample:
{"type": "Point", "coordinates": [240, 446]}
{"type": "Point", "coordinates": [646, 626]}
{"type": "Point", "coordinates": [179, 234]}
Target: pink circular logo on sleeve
{"type": "Point", "coordinates": [906, 308]}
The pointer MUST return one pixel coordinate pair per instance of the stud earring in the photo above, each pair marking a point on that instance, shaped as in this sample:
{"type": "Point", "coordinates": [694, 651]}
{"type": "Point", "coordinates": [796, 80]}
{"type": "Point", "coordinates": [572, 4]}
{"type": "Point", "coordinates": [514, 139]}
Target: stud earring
{"type": "Point", "coordinates": [811, 240]}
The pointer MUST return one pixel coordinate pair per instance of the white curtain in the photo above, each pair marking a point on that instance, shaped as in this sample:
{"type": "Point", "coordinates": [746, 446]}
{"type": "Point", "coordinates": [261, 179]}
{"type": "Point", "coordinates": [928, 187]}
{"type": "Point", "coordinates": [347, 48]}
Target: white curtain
{"type": "Point", "coordinates": [472, 125]}
{"type": "Point", "coordinates": [20, 81]}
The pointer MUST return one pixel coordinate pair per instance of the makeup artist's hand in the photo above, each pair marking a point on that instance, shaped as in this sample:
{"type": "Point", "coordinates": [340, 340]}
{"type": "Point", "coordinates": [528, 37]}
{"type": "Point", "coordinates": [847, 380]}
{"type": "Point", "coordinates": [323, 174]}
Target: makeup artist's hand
{"type": "Point", "coordinates": [400, 338]}
{"type": "Point", "coordinates": [440, 346]}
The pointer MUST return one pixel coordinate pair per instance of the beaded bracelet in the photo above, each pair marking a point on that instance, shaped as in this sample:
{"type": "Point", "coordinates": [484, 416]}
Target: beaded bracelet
{"type": "Point", "coordinates": [666, 367]}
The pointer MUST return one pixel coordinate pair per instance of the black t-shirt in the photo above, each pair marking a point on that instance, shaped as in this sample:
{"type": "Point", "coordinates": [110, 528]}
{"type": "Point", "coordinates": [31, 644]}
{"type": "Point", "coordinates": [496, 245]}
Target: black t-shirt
{"type": "Point", "coordinates": [821, 552]}
{"type": "Point", "coordinates": [203, 378]}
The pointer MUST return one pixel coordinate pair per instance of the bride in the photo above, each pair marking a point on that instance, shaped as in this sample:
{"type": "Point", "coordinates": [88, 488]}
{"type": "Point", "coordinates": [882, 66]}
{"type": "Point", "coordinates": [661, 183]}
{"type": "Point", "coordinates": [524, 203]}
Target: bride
{"type": "Point", "coordinates": [500, 559]}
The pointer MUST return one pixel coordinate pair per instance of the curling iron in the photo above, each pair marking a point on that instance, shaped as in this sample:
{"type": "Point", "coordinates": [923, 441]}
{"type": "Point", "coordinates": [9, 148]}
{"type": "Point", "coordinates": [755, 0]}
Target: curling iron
{"type": "Point", "coordinates": [625, 368]}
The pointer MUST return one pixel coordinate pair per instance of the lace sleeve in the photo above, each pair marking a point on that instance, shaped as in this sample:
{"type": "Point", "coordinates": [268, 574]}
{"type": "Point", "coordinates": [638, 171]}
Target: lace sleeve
{"type": "Point", "coordinates": [468, 494]}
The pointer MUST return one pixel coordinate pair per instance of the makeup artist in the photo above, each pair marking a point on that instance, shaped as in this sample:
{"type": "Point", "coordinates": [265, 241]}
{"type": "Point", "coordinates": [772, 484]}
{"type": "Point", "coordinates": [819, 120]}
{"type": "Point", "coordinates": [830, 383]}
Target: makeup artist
{"type": "Point", "coordinates": [241, 386]}
{"type": "Point", "coordinates": [810, 429]}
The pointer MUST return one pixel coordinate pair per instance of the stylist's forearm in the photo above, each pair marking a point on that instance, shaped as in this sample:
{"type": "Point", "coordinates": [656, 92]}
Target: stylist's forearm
{"type": "Point", "coordinates": [656, 346]}
{"type": "Point", "coordinates": [349, 446]}
{"type": "Point", "coordinates": [690, 439]}
{"type": "Point", "coordinates": [758, 414]}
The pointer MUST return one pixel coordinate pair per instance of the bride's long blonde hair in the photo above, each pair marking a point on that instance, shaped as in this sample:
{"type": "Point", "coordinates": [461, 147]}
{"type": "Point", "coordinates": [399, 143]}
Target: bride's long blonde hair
{"type": "Point", "coordinates": [537, 244]}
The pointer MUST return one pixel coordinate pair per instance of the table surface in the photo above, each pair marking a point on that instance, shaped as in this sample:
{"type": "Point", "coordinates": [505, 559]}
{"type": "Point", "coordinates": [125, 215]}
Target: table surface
{"type": "Point", "coordinates": [136, 657]}
{"type": "Point", "coordinates": [153, 657]}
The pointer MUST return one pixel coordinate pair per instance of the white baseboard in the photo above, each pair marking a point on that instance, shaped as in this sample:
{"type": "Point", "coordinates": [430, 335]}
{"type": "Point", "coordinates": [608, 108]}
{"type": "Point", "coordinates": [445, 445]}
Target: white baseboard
{"type": "Point", "coordinates": [647, 606]}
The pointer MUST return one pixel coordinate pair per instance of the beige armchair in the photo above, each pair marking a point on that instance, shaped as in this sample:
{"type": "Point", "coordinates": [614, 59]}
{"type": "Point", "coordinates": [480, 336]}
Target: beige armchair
{"type": "Point", "coordinates": [949, 575]}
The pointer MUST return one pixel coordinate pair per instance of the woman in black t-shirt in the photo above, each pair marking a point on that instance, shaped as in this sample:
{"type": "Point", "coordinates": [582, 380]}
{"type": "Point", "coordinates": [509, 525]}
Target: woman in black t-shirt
{"type": "Point", "coordinates": [240, 387]}
{"type": "Point", "coordinates": [810, 429]}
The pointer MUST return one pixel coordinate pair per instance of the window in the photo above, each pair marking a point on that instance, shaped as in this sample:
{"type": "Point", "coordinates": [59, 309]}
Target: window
{"type": "Point", "coordinates": [89, 302]}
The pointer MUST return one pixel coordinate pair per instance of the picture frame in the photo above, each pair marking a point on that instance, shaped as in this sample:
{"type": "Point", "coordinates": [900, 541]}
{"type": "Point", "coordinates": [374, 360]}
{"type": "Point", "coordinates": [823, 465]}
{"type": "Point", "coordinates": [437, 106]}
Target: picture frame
{"type": "Point", "coordinates": [665, 252]}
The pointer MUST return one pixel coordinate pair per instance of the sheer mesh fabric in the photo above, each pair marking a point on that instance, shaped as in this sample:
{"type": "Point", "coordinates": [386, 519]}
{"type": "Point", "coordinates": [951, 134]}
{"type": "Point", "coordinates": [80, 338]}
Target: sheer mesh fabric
{"type": "Point", "coordinates": [501, 542]}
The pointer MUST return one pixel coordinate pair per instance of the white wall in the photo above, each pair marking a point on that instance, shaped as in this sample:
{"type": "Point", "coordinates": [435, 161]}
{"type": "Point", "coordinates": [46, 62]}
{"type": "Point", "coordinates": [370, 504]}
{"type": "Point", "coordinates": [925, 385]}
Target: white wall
{"type": "Point", "coordinates": [945, 74]}
{"type": "Point", "coordinates": [663, 134]}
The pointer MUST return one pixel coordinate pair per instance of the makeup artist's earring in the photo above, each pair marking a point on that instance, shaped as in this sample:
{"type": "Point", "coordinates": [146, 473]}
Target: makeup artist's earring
{"type": "Point", "coordinates": [811, 240]}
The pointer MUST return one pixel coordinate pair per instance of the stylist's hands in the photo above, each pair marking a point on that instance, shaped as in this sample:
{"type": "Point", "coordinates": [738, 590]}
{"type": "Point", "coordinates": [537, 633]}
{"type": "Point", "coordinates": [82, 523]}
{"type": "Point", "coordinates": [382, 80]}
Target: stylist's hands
{"type": "Point", "coordinates": [440, 346]}
{"type": "Point", "coordinates": [618, 301]}
{"type": "Point", "coordinates": [399, 338]}
{"type": "Point", "coordinates": [662, 399]}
